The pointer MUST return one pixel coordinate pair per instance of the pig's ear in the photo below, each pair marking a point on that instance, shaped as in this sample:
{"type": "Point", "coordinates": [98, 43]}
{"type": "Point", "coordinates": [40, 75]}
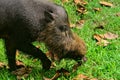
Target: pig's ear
{"type": "Point", "coordinates": [49, 16]}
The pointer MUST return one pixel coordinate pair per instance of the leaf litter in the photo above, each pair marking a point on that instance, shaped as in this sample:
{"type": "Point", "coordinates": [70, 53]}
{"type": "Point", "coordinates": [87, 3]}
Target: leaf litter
{"type": "Point", "coordinates": [110, 35]}
{"type": "Point", "coordinates": [58, 74]}
{"type": "Point", "coordinates": [118, 14]}
{"type": "Point", "coordinates": [79, 24]}
{"type": "Point", "coordinates": [97, 9]}
{"type": "Point", "coordinates": [80, 2]}
{"type": "Point", "coordinates": [83, 77]}
{"type": "Point", "coordinates": [107, 4]}
{"type": "Point", "coordinates": [2, 65]}
{"type": "Point", "coordinates": [102, 39]}
{"type": "Point", "coordinates": [22, 72]}
{"type": "Point", "coordinates": [64, 1]}
{"type": "Point", "coordinates": [81, 9]}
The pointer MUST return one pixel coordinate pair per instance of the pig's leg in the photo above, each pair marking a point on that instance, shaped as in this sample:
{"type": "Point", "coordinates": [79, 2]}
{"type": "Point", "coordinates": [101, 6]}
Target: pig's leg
{"type": "Point", "coordinates": [36, 53]}
{"type": "Point", "coordinates": [10, 51]}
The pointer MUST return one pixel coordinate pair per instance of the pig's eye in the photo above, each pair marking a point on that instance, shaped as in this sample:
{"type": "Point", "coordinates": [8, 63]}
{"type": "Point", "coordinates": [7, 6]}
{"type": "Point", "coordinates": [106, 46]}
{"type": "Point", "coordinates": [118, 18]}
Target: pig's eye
{"type": "Point", "coordinates": [63, 28]}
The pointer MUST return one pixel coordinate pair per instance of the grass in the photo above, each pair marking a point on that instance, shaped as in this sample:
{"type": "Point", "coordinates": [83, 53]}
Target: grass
{"type": "Point", "coordinates": [103, 62]}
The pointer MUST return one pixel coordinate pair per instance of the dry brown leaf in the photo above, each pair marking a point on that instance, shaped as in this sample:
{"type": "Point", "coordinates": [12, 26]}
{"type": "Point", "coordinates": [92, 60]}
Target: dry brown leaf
{"type": "Point", "coordinates": [22, 72]}
{"type": "Point", "coordinates": [58, 74]}
{"type": "Point", "coordinates": [81, 2]}
{"type": "Point", "coordinates": [19, 63]}
{"type": "Point", "coordinates": [2, 65]}
{"type": "Point", "coordinates": [118, 14]}
{"type": "Point", "coordinates": [81, 9]}
{"type": "Point", "coordinates": [80, 24]}
{"type": "Point", "coordinates": [104, 3]}
{"type": "Point", "coordinates": [80, 77]}
{"type": "Point", "coordinates": [45, 78]}
{"type": "Point", "coordinates": [77, 1]}
{"type": "Point", "coordinates": [81, 21]}
{"type": "Point", "coordinates": [98, 37]}
{"type": "Point", "coordinates": [110, 35]}
{"type": "Point", "coordinates": [97, 9]}
{"type": "Point", "coordinates": [83, 77]}
{"type": "Point", "coordinates": [103, 43]}
{"type": "Point", "coordinates": [93, 79]}
{"type": "Point", "coordinates": [72, 25]}
{"type": "Point", "coordinates": [100, 40]}
{"type": "Point", "coordinates": [63, 1]}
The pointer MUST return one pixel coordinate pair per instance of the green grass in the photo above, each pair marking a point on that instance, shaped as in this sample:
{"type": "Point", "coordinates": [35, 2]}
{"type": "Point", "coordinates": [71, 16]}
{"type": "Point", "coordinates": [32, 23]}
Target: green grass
{"type": "Point", "coordinates": [102, 63]}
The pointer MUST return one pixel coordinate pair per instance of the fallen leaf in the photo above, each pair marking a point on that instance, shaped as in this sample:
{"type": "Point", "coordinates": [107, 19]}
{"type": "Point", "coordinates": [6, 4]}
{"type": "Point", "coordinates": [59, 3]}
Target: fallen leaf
{"type": "Point", "coordinates": [19, 63]}
{"type": "Point", "coordinates": [80, 2]}
{"type": "Point", "coordinates": [110, 35]}
{"type": "Point", "coordinates": [93, 79]}
{"type": "Point", "coordinates": [97, 9]}
{"type": "Point", "coordinates": [100, 40]}
{"type": "Point", "coordinates": [22, 72]}
{"type": "Point", "coordinates": [72, 25]}
{"type": "Point", "coordinates": [63, 1]}
{"type": "Point", "coordinates": [54, 77]}
{"type": "Point", "coordinates": [118, 14]}
{"type": "Point", "coordinates": [83, 77]}
{"type": "Point", "coordinates": [45, 78]}
{"type": "Point", "coordinates": [103, 43]}
{"type": "Point", "coordinates": [106, 4]}
{"type": "Point", "coordinates": [80, 77]}
{"type": "Point", "coordinates": [98, 37]}
{"type": "Point", "coordinates": [2, 65]}
{"type": "Point", "coordinates": [77, 1]}
{"type": "Point", "coordinates": [81, 9]}
{"type": "Point", "coordinates": [80, 24]}
{"type": "Point", "coordinates": [57, 74]}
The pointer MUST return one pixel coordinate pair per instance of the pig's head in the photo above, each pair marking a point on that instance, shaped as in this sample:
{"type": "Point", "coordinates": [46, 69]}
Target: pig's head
{"type": "Point", "coordinates": [58, 37]}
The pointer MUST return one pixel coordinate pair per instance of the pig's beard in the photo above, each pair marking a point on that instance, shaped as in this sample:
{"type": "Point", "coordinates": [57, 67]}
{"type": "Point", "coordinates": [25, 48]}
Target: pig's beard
{"type": "Point", "coordinates": [59, 47]}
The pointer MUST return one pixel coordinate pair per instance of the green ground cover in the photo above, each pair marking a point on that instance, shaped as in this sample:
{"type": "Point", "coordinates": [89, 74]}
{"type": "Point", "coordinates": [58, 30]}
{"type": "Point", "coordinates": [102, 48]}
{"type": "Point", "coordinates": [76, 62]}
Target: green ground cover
{"type": "Point", "coordinates": [103, 62]}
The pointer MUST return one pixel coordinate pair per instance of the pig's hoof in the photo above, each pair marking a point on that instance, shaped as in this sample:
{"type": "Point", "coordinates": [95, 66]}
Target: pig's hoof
{"type": "Point", "coordinates": [46, 65]}
{"type": "Point", "coordinates": [12, 69]}
{"type": "Point", "coordinates": [84, 59]}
